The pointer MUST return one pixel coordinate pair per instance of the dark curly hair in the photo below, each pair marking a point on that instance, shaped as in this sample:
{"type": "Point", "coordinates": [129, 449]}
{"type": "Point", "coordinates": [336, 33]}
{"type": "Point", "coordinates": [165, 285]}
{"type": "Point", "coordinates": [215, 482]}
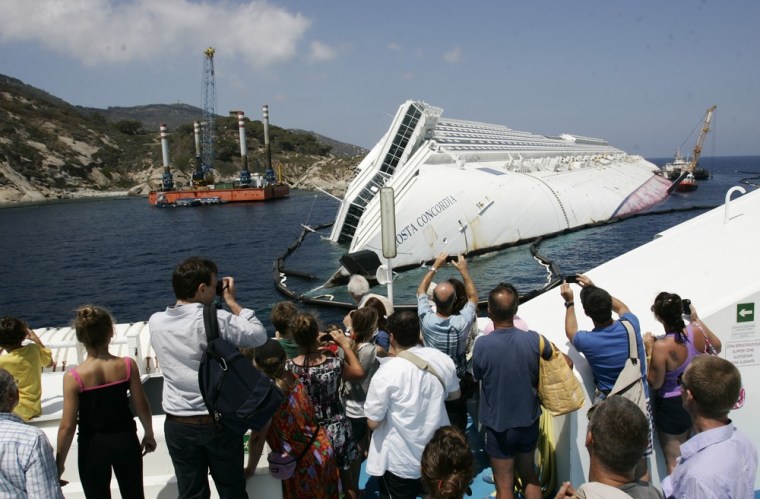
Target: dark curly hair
{"type": "Point", "coordinates": [305, 331]}
{"type": "Point", "coordinates": [447, 464]}
{"type": "Point", "coordinates": [668, 307]}
{"type": "Point", "coordinates": [12, 332]}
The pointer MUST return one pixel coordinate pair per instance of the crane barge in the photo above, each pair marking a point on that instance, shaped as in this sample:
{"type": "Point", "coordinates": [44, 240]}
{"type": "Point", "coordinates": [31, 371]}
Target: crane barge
{"type": "Point", "coordinates": [203, 192]}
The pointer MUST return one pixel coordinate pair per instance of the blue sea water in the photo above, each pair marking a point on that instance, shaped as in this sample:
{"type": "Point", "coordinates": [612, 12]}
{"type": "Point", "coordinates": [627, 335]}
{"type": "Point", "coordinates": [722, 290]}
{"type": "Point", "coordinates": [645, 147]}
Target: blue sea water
{"type": "Point", "coordinates": [120, 253]}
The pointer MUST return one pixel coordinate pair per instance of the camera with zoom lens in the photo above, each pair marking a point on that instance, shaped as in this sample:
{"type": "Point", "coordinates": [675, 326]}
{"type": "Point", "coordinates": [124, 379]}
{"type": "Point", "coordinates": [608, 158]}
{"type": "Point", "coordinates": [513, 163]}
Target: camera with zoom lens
{"type": "Point", "coordinates": [220, 287]}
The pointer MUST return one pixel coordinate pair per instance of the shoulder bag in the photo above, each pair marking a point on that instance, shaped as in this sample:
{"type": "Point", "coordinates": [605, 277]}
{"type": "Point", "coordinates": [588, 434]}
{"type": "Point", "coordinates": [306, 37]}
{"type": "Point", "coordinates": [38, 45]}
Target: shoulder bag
{"type": "Point", "coordinates": [422, 364]}
{"type": "Point", "coordinates": [282, 465]}
{"type": "Point", "coordinates": [237, 395]}
{"type": "Point", "coordinates": [558, 389]}
{"type": "Point", "coordinates": [630, 382]}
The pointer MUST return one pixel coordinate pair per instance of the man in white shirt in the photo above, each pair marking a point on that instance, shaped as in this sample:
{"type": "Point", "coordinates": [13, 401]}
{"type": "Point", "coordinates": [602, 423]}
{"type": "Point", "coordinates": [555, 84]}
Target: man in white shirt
{"type": "Point", "coordinates": [197, 445]}
{"type": "Point", "coordinates": [404, 407]}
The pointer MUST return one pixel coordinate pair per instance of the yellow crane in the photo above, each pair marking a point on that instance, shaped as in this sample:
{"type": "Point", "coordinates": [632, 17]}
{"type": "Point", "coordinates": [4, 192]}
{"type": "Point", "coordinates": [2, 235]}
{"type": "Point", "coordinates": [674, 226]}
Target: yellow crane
{"type": "Point", "coordinates": [701, 138]}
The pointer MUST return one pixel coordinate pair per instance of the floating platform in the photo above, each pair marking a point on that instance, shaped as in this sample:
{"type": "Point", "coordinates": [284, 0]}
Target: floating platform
{"type": "Point", "coordinates": [223, 195]}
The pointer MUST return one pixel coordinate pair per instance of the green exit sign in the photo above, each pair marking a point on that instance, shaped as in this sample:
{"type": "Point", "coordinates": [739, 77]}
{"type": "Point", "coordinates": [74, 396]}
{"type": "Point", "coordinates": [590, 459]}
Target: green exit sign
{"type": "Point", "coordinates": [745, 312]}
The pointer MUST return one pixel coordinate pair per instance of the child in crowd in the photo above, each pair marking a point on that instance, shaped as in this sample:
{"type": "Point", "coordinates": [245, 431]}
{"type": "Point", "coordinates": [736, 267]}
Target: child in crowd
{"type": "Point", "coordinates": [95, 395]}
{"type": "Point", "coordinates": [24, 363]}
{"type": "Point", "coordinates": [282, 313]}
{"type": "Point", "coordinates": [447, 465]}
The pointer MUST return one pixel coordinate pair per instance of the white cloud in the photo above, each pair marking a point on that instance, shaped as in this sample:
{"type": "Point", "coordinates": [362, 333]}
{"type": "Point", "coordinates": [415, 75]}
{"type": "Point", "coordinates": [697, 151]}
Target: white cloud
{"type": "Point", "coordinates": [119, 31]}
{"type": "Point", "coordinates": [454, 55]}
{"type": "Point", "coordinates": [396, 47]}
{"type": "Point", "coordinates": [321, 52]}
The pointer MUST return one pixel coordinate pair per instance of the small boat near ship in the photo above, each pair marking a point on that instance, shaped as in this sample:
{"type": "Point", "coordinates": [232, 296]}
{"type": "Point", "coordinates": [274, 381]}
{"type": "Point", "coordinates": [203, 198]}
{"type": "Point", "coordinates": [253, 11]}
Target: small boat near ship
{"type": "Point", "coordinates": [687, 184]}
{"type": "Point", "coordinates": [469, 187]}
{"type": "Point", "coordinates": [247, 188]}
{"type": "Point", "coordinates": [189, 202]}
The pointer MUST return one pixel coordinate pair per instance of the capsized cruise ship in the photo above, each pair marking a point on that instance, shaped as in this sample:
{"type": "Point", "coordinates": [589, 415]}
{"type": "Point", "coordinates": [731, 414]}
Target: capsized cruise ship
{"type": "Point", "coordinates": [469, 187]}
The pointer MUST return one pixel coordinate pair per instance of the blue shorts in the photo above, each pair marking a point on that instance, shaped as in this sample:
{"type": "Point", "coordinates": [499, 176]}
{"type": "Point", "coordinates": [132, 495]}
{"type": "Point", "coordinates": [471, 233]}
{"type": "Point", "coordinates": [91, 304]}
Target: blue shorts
{"type": "Point", "coordinates": [506, 444]}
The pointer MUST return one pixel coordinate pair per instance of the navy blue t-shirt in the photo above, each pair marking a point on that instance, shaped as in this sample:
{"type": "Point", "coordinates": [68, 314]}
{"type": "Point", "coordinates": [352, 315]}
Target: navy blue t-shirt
{"type": "Point", "coordinates": [506, 361]}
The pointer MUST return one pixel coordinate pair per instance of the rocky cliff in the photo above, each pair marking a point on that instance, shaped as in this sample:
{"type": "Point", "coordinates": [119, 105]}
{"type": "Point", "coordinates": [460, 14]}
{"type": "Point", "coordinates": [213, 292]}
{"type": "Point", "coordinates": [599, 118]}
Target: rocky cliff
{"type": "Point", "coordinates": [50, 149]}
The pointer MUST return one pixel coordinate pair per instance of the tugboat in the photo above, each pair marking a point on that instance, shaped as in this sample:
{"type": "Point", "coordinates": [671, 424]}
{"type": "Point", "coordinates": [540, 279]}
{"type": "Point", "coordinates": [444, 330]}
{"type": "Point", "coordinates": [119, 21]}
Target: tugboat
{"type": "Point", "coordinates": [687, 184]}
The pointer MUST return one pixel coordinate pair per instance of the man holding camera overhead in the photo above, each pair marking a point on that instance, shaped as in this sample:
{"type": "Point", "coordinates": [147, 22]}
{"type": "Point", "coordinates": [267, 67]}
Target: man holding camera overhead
{"type": "Point", "coordinates": [178, 336]}
{"type": "Point", "coordinates": [606, 345]}
{"type": "Point", "coordinates": [447, 332]}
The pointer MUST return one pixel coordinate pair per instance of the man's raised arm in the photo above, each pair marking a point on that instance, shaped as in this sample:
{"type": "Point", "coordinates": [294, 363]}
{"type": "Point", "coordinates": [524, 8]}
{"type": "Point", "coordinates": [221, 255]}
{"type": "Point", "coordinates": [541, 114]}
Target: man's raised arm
{"type": "Point", "coordinates": [469, 285]}
{"type": "Point", "coordinates": [428, 278]}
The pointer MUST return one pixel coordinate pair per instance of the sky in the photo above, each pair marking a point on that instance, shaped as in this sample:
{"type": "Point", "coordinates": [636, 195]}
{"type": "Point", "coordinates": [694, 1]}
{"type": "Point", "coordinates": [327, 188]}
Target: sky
{"type": "Point", "coordinates": [638, 74]}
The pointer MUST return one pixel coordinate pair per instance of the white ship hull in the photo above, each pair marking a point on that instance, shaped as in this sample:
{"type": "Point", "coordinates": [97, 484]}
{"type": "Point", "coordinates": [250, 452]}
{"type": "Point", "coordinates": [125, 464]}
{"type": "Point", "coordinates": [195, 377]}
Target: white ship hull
{"type": "Point", "coordinates": [465, 187]}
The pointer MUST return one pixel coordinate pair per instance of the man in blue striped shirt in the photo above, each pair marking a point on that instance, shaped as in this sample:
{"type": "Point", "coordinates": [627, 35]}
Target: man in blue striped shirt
{"type": "Point", "coordinates": [27, 464]}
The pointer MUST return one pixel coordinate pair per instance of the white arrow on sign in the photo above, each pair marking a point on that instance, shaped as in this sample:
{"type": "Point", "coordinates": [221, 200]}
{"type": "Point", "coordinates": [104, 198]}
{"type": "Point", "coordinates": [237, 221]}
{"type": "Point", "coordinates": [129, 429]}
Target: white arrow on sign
{"type": "Point", "coordinates": [745, 312]}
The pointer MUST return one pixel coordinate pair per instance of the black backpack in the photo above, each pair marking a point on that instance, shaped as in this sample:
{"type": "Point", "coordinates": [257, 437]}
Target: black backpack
{"type": "Point", "coordinates": [237, 395]}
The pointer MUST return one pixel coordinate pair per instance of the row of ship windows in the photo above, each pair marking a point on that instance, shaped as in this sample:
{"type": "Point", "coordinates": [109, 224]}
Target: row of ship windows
{"type": "Point", "coordinates": [521, 147]}
{"type": "Point", "coordinates": [458, 133]}
{"type": "Point", "coordinates": [508, 143]}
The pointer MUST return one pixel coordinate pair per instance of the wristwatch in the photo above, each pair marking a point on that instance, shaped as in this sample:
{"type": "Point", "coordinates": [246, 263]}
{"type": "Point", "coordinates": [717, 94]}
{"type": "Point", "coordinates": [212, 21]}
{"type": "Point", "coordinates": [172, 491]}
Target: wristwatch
{"type": "Point", "coordinates": [569, 304]}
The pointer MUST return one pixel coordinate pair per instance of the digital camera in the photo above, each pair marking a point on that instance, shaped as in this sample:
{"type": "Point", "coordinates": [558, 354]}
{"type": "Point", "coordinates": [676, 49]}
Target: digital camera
{"type": "Point", "coordinates": [686, 306]}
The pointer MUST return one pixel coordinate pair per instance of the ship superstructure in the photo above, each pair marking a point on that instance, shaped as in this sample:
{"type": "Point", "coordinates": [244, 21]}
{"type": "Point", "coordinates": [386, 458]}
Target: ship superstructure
{"type": "Point", "coordinates": [469, 187]}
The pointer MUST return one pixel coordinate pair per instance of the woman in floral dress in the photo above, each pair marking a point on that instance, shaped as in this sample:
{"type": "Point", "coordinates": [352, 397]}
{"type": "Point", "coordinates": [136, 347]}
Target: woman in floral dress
{"type": "Point", "coordinates": [321, 373]}
{"type": "Point", "coordinates": [291, 430]}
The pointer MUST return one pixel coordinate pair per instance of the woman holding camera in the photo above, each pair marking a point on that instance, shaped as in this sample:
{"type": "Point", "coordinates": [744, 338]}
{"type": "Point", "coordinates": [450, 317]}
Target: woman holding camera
{"type": "Point", "coordinates": [667, 358]}
{"type": "Point", "coordinates": [354, 393]}
{"type": "Point", "coordinates": [321, 373]}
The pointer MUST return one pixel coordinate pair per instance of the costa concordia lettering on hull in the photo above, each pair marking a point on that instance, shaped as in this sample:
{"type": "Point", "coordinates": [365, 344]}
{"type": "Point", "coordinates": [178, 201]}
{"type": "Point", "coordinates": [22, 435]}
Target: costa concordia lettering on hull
{"type": "Point", "coordinates": [469, 187]}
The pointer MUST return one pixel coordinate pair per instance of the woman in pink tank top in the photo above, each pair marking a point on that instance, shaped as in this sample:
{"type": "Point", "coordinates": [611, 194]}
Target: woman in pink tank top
{"type": "Point", "coordinates": [95, 399]}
